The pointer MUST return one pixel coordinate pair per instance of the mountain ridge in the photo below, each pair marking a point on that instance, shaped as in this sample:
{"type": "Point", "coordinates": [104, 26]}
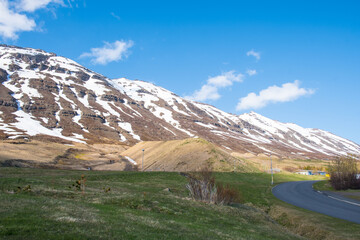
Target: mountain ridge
{"type": "Point", "coordinates": [42, 95]}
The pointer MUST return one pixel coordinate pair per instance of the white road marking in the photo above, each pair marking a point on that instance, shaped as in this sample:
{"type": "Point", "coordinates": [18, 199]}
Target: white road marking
{"type": "Point", "coordinates": [356, 204]}
{"type": "Point", "coordinates": [342, 200]}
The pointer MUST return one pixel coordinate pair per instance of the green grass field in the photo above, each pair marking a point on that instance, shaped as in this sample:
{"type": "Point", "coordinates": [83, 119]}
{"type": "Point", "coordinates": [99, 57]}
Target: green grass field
{"type": "Point", "coordinates": [43, 204]}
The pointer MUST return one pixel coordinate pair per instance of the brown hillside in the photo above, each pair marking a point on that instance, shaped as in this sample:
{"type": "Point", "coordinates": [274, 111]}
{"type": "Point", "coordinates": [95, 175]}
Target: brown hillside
{"type": "Point", "coordinates": [33, 153]}
{"type": "Point", "coordinates": [182, 155]}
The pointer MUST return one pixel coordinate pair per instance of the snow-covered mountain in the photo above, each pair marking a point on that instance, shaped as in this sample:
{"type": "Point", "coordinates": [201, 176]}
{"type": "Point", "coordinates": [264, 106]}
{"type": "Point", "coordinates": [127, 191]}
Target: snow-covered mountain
{"type": "Point", "coordinates": [46, 96]}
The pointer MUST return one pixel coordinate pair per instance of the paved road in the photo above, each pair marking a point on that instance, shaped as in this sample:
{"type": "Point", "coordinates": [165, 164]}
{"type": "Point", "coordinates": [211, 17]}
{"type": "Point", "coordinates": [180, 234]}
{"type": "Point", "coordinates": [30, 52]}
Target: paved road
{"type": "Point", "coordinates": [302, 194]}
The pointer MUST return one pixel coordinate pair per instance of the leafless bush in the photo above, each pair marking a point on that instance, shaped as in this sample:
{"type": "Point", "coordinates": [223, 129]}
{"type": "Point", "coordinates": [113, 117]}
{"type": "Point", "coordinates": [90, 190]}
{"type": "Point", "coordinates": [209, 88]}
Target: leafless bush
{"type": "Point", "coordinates": [343, 172]}
{"type": "Point", "coordinates": [202, 187]}
{"type": "Point", "coordinates": [80, 184]}
{"type": "Point", "coordinates": [227, 194]}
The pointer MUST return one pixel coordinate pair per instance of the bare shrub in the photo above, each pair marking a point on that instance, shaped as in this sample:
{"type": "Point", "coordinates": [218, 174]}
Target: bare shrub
{"type": "Point", "coordinates": [343, 171]}
{"type": "Point", "coordinates": [203, 187]}
{"type": "Point", "coordinates": [227, 194]}
{"type": "Point", "coordinates": [80, 184]}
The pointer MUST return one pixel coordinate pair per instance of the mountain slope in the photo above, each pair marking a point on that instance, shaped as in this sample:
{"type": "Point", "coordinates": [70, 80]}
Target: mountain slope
{"type": "Point", "coordinates": [44, 96]}
{"type": "Point", "coordinates": [182, 155]}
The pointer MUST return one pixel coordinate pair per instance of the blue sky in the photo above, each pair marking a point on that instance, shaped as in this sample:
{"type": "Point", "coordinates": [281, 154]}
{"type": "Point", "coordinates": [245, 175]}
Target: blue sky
{"type": "Point", "coordinates": [303, 56]}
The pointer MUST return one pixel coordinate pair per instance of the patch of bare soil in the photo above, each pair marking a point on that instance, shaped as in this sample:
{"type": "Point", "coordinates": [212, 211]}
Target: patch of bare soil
{"type": "Point", "coordinates": [39, 154]}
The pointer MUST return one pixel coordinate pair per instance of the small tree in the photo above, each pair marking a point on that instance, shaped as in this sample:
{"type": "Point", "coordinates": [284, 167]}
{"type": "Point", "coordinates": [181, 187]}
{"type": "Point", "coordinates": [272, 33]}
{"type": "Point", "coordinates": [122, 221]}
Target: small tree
{"type": "Point", "coordinates": [343, 171]}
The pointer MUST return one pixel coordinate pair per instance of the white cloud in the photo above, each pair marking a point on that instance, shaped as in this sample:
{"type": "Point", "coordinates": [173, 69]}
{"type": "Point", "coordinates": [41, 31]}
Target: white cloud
{"type": "Point", "coordinates": [109, 52]}
{"type": "Point", "coordinates": [207, 92]}
{"type": "Point", "coordinates": [210, 91]}
{"type": "Point", "coordinates": [12, 22]}
{"type": "Point", "coordinates": [225, 80]}
{"type": "Point", "coordinates": [254, 54]}
{"type": "Point", "coordinates": [251, 72]}
{"type": "Point", "coordinates": [115, 16]}
{"type": "Point", "coordinates": [14, 18]}
{"type": "Point", "coordinates": [287, 92]}
{"type": "Point", "coordinates": [33, 5]}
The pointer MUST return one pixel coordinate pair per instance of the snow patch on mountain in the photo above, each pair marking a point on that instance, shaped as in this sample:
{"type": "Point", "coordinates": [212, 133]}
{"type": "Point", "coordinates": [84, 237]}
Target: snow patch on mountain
{"type": "Point", "coordinates": [127, 126]}
{"type": "Point", "coordinates": [32, 127]}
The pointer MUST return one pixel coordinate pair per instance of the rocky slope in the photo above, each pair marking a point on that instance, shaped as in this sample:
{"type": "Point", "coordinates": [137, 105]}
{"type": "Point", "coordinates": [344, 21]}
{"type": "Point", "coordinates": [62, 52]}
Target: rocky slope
{"type": "Point", "coordinates": [45, 96]}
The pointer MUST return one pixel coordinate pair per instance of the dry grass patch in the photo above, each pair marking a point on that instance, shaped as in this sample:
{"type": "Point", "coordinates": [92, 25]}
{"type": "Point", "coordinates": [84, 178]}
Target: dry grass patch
{"type": "Point", "coordinates": [261, 162]}
{"type": "Point", "coordinates": [182, 155]}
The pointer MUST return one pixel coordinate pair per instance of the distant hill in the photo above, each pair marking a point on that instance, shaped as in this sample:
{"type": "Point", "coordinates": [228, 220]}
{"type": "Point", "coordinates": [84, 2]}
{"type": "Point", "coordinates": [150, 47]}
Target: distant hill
{"type": "Point", "coordinates": [182, 155]}
{"type": "Point", "coordinates": [51, 98]}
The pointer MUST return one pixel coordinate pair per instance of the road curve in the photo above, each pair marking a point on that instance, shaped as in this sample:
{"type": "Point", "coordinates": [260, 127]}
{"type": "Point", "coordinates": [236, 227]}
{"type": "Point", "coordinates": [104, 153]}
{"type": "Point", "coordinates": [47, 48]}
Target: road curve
{"type": "Point", "coordinates": [302, 194]}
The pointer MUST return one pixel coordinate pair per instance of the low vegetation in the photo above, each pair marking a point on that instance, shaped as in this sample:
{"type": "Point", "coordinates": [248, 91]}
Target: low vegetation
{"type": "Point", "coordinates": [119, 205]}
{"type": "Point", "coordinates": [151, 205]}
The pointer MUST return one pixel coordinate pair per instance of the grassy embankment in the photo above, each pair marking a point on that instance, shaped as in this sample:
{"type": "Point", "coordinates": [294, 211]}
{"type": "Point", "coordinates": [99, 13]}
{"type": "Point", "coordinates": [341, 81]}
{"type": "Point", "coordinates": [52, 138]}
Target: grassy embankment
{"type": "Point", "coordinates": [326, 186]}
{"type": "Point", "coordinates": [139, 206]}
